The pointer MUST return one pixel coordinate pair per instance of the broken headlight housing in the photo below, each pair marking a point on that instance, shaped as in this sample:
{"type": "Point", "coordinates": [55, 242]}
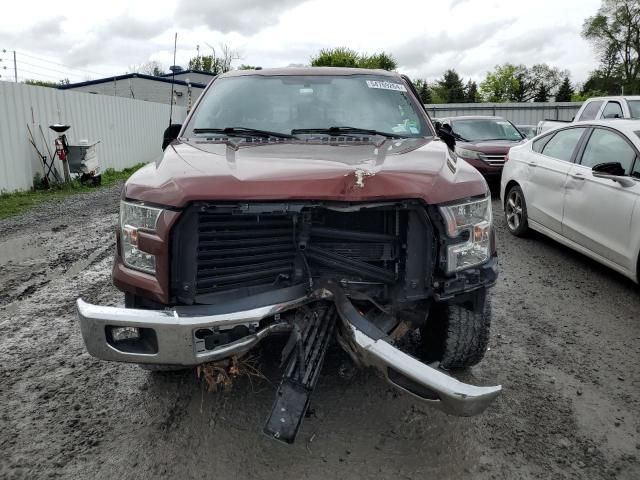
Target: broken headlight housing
{"type": "Point", "coordinates": [471, 222]}
{"type": "Point", "coordinates": [134, 218]}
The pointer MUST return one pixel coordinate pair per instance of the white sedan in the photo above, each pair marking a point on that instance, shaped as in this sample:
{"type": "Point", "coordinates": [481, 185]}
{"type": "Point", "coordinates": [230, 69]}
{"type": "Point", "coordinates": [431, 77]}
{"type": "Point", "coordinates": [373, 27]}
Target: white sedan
{"type": "Point", "coordinates": [580, 185]}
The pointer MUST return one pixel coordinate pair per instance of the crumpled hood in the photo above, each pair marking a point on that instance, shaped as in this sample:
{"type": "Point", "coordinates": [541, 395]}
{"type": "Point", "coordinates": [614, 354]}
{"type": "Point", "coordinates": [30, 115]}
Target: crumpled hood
{"type": "Point", "coordinates": [394, 169]}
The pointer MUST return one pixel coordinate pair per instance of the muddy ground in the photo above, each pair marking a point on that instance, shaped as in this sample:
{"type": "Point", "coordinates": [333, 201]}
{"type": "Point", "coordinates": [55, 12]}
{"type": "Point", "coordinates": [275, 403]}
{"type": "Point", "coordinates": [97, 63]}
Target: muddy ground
{"type": "Point", "coordinates": [565, 345]}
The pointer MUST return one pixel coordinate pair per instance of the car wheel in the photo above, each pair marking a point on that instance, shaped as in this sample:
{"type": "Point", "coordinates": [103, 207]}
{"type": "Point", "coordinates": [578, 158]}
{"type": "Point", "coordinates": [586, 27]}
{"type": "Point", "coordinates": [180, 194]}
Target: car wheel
{"type": "Point", "coordinates": [457, 335]}
{"type": "Point", "coordinates": [515, 212]}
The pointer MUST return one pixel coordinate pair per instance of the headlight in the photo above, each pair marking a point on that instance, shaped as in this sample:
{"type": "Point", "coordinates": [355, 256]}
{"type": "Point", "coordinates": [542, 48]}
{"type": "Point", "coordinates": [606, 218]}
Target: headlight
{"type": "Point", "coordinates": [134, 218]}
{"type": "Point", "coordinates": [464, 153]}
{"type": "Point", "coordinates": [472, 221]}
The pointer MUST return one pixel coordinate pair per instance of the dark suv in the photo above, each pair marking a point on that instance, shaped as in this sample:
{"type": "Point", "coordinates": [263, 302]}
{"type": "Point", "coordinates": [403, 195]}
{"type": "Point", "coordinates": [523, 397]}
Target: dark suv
{"type": "Point", "coordinates": [484, 142]}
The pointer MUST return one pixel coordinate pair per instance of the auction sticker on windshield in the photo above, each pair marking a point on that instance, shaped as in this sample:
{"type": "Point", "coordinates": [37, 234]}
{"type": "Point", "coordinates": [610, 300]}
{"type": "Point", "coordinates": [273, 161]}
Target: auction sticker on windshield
{"type": "Point", "coordinates": [386, 85]}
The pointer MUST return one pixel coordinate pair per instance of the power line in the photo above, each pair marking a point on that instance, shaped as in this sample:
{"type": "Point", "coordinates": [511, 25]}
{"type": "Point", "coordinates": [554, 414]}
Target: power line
{"type": "Point", "coordinates": [21, 62]}
{"type": "Point", "coordinates": [62, 64]}
{"type": "Point", "coordinates": [38, 73]}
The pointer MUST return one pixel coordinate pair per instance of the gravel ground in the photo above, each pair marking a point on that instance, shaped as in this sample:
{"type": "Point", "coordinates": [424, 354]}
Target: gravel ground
{"type": "Point", "coordinates": [565, 346]}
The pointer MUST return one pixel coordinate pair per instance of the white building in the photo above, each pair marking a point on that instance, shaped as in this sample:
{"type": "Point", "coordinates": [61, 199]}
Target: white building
{"type": "Point", "coordinates": [187, 87]}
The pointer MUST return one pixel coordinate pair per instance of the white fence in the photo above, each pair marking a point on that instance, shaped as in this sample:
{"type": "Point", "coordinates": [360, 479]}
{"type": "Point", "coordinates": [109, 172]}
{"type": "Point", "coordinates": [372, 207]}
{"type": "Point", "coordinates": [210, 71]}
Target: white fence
{"type": "Point", "coordinates": [130, 131]}
{"type": "Point", "coordinates": [518, 113]}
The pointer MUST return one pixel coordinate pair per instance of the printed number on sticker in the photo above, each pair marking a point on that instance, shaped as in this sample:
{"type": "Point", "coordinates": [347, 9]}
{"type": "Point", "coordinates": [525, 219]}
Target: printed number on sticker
{"type": "Point", "coordinates": [386, 85]}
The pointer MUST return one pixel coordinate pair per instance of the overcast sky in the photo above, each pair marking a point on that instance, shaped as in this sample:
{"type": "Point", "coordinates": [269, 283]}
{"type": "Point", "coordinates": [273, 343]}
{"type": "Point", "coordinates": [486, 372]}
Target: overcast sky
{"type": "Point", "coordinates": [90, 39]}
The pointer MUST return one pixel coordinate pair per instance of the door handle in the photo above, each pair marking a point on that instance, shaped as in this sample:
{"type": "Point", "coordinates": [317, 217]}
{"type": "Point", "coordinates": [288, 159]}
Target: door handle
{"type": "Point", "coordinates": [533, 164]}
{"type": "Point", "coordinates": [577, 176]}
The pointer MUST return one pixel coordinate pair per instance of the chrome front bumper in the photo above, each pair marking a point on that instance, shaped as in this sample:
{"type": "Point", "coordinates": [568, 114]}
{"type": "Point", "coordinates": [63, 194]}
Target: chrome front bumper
{"type": "Point", "coordinates": [176, 343]}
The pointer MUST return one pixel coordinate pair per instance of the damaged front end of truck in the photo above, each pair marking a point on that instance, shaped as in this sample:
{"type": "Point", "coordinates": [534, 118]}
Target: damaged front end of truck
{"type": "Point", "coordinates": [362, 273]}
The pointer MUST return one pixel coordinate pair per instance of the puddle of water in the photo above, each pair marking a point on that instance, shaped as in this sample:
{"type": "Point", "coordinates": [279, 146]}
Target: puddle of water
{"type": "Point", "coordinates": [18, 249]}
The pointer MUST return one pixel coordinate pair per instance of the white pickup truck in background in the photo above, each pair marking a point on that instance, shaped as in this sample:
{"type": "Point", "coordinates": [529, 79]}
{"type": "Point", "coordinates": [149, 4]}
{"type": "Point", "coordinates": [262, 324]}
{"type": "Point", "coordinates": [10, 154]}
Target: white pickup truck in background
{"type": "Point", "coordinates": [598, 108]}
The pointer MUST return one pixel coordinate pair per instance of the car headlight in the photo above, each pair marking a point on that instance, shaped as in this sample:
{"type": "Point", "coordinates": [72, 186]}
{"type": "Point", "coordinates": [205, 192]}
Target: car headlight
{"type": "Point", "coordinates": [471, 221]}
{"type": "Point", "coordinates": [464, 153]}
{"type": "Point", "coordinates": [135, 217]}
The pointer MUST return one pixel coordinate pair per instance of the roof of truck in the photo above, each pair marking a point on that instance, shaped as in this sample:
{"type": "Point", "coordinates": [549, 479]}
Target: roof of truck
{"type": "Point", "coordinates": [310, 71]}
{"type": "Point", "coordinates": [615, 97]}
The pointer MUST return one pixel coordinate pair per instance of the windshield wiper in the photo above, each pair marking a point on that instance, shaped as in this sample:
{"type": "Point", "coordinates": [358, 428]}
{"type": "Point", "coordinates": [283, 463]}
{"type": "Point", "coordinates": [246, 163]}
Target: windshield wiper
{"type": "Point", "coordinates": [460, 137]}
{"type": "Point", "coordinates": [243, 132]}
{"type": "Point", "coordinates": [346, 131]}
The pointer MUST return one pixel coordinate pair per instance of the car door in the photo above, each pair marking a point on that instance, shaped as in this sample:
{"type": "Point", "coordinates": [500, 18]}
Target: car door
{"type": "Point", "coordinates": [547, 174]}
{"type": "Point", "coordinates": [598, 211]}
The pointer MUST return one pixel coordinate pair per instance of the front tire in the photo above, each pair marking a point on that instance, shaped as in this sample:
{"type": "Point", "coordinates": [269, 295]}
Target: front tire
{"type": "Point", "coordinates": [515, 212]}
{"type": "Point", "coordinates": [457, 334]}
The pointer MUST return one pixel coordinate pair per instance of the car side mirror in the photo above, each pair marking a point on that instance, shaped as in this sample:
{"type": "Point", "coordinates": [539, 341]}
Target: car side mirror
{"type": "Point", "coordinates": [170, 134]}
{"type": "Point", "coordinates": [446, 134]}
{"type": "Point", "coordinates": [610, 168]}
{"type": "Point", "coordinates": [612, 115]}
{"type": "Point", "coordinates": [612, 171]}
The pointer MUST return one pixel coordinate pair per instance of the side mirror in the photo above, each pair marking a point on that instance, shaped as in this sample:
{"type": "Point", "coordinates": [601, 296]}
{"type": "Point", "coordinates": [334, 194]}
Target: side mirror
{"type": "Point", "coordinates": [609, 168]}
{"type": "Point", "coordinates": [612, 171]}
{"type": "Point", "coordinates": [170, 134]}
{"type": "Point", "coordinates": [612, 115]}
{"type": "Point", "coordinates": [446, 134]}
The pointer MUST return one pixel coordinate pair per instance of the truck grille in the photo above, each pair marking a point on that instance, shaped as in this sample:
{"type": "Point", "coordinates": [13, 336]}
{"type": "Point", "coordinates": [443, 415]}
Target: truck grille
{"type": "Point", "coordinates": [223, 252]}
{"type": "Point", "coordinates": [243, 250]}
{"type": "Point", "coordinates": [494, 160]}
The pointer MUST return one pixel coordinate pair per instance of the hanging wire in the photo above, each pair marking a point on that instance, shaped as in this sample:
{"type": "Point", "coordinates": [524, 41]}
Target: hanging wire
{"type": "Point", "coordinates": [22, 62]}
{"type": "Point", "coordinates": [61, 64]}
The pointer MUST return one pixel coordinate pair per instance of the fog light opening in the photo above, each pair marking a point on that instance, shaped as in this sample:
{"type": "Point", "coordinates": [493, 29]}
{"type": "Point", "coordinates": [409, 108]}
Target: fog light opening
{"type": "Point", "coordinates": [120, 334]}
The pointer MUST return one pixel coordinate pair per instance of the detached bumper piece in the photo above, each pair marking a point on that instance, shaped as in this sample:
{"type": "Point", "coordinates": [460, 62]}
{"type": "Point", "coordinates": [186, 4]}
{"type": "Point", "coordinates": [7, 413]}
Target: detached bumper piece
{"type": "Point", "coordinates": [191, 337]}
{"type": "Point", "coordinates": [305, 350]}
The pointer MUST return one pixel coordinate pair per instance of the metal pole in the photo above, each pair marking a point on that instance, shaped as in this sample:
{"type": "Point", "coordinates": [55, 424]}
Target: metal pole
{"type": "Point", "coordinates": [15, 66]}
{"type": "Point", "coordinates": [173, 77]}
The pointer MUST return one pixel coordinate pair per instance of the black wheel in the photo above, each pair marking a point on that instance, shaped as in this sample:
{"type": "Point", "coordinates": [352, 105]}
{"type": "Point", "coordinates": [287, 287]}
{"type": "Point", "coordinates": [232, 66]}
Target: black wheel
{"type": "Point", "coordinates": [515, 212]}
{"type": "Point", "coordinates": [96, 180]}
{"type": "Point", "coordinates": [457, 334]}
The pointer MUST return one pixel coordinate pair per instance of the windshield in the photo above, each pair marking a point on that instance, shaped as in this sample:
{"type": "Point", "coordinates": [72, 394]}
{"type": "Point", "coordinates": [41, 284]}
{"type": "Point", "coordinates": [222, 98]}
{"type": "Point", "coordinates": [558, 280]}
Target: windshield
{"type": "Point", "coordinates": [283, 104]}
{"type": "Point", "coordinates": [482, 129]}
{"type": "Point", "coordinates": [634, 107]}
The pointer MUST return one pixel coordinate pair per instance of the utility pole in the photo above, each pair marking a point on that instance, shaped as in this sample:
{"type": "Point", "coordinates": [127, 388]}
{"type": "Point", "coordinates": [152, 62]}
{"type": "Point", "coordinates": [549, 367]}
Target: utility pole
{"type": "Point", "coordinates": [15, 66]}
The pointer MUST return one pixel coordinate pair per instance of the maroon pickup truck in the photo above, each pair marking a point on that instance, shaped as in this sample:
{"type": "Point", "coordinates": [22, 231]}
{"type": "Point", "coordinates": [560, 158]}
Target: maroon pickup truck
{"type": "Point", "coordinates": [315, 203]}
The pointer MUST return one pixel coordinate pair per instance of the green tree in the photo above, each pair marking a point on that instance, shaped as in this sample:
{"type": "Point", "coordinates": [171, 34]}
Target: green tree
{"type": "Point", "coordinates": [565, 92]}
{"type": "Point", "coordinates": [450, 87]}
{"type": "Point", "coordinates": [45, 83]}
{"type": "Point", "coordinates": [220, 60]}
{"type": "Point", "coordinates": [471, 92]}
{"type": "Point", "coordinates": [424, 91]}
{"type": "Point", "coordinates": [380, 60]}
{"type": "Point", "coordinates": [501, 84]}
{"type": "Point", "coordinates": [346, 57]}
{"type": "Point", "coordinates": [615, 33]}
{"type": "Point", "coordinates": [542, 95]}
{"type": "Point", "coordinates": [336, 57]}
{"type": "Point", "coordinates": [519, 83]}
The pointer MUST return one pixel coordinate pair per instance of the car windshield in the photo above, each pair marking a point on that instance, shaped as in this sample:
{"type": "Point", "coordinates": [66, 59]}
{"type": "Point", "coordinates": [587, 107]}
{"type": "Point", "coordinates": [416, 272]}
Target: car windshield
{"type": "Point", "coordinates": [287, 104]}
{"type": "Point", "coordinates": [482, 129]}
{"type": "Point", "coordinates": [634, 107]}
